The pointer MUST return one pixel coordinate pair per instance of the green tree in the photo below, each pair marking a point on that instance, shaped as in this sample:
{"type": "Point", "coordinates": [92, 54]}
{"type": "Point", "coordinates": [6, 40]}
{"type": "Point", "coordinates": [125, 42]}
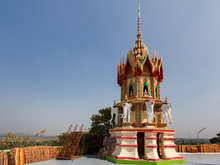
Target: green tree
{"type": "Point", "coordinates": [215, 140]}
{"type": "Point", "coordinates": [100, 122]}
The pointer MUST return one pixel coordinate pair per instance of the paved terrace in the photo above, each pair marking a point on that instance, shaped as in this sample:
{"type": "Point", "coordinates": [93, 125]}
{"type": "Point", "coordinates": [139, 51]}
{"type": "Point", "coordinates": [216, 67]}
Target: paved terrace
{"type": "Point", "coordinates": [191, 159]}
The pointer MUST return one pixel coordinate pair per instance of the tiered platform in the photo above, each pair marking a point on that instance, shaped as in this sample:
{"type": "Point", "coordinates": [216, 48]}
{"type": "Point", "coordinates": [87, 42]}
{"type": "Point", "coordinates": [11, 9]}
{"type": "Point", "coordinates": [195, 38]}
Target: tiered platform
{"type": "Point", "coordinates": [144, 145]}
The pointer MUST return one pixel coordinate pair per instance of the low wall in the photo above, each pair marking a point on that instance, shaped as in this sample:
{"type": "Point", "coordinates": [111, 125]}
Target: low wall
{"type": "Point", "coordinates": [198, 148]}
{"type": "Point", "coordinates": [20, 156]}
{"type": "Point", "coordinates": [3, 158]}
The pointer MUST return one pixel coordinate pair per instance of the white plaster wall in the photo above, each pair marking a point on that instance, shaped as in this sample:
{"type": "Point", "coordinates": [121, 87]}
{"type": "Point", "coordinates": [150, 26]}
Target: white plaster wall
{"type": "Point", "coordinates": [117, 148]}
{"type": "Point", "coordinates": [127, 141]}
{"type": "Point", "coordinates": [151, 153]}
{"type": "Point", "coordinates": [125, 151]}
{"type": "Point", "coordinates": [169, 152]}
{"type": "Point", "coordinates": [127, 133]}
{"type": "Point", "coordinates": [169, 142]}
{"type": "Point", "coordinates": [129, 152]}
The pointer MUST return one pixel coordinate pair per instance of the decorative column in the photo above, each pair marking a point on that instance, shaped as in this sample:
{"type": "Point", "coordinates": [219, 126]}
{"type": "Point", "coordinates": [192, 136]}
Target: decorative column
{"type": "Point", "coordinates": [126, 145]}
{"type": "Point", "coordinates": [168, 147]}
{"type": "Point", "coordinates": [158, 89]}
{"type": "Point", "coordinates": [138, 114]}
{"type": "Point", "coordinates": [151, 146]}
{"type": "Point", "coordinates": [138, 87]}
{"type": "Point", "coordinates": [152, 87]}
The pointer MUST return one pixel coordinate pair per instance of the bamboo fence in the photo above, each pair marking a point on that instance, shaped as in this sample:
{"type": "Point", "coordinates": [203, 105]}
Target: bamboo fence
{"type": "Point", "coordinates": [207, 148]}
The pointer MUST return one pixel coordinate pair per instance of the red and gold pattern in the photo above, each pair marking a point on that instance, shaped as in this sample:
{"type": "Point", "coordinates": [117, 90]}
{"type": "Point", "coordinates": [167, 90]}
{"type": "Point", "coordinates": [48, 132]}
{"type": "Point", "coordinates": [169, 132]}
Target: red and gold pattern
{"type": "Point", "coordinates": [137, 62]}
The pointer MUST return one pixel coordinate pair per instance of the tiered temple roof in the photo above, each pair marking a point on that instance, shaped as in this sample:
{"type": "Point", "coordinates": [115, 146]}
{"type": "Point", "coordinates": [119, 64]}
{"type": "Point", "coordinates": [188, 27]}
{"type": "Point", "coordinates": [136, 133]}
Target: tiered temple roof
{"type": "Point", "coordinates": [136, 62]}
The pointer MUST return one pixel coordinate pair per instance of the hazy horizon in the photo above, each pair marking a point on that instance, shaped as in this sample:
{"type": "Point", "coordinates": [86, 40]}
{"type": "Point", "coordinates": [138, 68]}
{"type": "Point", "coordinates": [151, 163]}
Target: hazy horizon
{"type": "Point", "coordinates": [58, 60]}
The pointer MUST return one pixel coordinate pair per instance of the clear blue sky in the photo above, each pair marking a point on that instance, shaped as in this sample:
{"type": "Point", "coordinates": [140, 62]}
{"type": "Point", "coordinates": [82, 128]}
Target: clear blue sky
{"type": "Point", "coordinates": [58, 60]}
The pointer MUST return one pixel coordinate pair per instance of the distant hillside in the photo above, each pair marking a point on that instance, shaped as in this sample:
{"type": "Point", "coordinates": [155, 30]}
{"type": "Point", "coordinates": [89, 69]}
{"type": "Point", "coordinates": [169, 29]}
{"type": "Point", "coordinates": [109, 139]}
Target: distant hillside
{"type": "Point", "coordinates": [25, 135]}
{"type": "Point", "coordinates": [191, 141]}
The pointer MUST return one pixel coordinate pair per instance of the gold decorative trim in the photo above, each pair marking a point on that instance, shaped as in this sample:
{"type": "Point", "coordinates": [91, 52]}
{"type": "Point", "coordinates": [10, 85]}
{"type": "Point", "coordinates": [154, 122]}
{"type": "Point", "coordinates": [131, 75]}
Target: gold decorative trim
{"type": "Point", "coordinates": [118, 125]}
{"type": "Point", "coordinates": [148, 124]}
{"type": "Point", "coordinates": [128, 124]}
{"type": "Point", "coordinates": [161, 125]}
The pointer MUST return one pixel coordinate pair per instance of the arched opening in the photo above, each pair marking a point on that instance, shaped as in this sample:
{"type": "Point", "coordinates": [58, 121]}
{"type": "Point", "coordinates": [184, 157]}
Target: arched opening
{"type": "Point", "coordinates": [131, 90]}
{"type": "Point", "coordinates": [156, 92]}
{"type": "Point", "coordinates": [145, 89]}
{"type": "Point", "coordinates": [159, 135]}
{"type": "Point", "coordinates": [140, 141]}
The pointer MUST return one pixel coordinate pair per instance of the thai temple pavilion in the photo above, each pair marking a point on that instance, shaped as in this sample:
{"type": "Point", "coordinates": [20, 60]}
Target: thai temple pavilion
{"type": "Point", "coordinates": [141, 117]}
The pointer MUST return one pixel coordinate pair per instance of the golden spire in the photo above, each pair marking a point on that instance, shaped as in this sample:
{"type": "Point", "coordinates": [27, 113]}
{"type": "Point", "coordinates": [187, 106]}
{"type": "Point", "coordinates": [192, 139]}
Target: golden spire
{"type": "Point", "coordinates": [139, 48]}
{"type": "Point", "coordinates": [139, 24]}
